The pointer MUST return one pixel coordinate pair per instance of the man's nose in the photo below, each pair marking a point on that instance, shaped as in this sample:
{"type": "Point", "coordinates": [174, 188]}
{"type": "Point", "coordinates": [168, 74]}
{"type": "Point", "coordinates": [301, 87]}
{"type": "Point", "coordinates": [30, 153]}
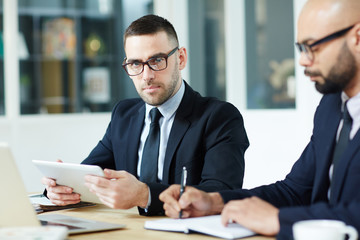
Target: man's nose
{"type": "Point", "coordinates": [148, 73]}
{"type": "Point", "coordinates": [304, 60]}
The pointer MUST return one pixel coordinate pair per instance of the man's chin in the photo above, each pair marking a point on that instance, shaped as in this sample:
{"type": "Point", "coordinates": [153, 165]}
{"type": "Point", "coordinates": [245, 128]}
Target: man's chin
{"type": "Point", "coordinates": [328, 87]}
{"type": "Point", "coordinates": [153, 101]}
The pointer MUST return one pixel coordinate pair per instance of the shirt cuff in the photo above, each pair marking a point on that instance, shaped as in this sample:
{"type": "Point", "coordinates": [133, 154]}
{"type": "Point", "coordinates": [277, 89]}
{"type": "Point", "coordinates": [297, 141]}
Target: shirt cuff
{"type": "Point", "coordinates": [149, 201]}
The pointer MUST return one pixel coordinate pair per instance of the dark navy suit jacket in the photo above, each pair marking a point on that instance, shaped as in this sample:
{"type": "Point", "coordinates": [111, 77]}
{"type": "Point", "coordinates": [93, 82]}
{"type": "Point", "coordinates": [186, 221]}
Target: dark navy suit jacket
{"type": "Point", "coordinates": [303, 193]}
{"type": "Point", "coordinates": [207, 137]}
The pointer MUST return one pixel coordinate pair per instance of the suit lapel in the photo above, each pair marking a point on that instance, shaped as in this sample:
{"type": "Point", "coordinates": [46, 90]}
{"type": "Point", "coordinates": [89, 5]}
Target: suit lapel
{"type": "Point", "coordinates": [339, 174]}
{"type": "Point", "coordinates": [325, 148]}
{"type": "Point", "coordinates": [178, 129]}
{"type": "Point", "coordinates": [321, 183]}
{"type": "Point", "coordinates": [134, 132]}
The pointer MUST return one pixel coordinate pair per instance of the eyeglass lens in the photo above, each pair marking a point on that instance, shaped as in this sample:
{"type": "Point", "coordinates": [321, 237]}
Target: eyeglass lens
{"type": "Point", "coordinates": [304, 48]}
{"type": "Point", "coordinates": [156, 64]}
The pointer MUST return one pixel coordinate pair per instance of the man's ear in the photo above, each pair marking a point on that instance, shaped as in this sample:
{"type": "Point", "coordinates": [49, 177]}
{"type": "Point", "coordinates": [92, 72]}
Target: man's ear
{"type": "Point", "coordinates": [355, 40]}
{"type": "Point", "coordinates": [182, 58]}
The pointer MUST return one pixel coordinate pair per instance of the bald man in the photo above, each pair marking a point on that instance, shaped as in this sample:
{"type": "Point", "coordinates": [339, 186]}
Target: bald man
{"type": "Point", "coordinates": [324, 182]}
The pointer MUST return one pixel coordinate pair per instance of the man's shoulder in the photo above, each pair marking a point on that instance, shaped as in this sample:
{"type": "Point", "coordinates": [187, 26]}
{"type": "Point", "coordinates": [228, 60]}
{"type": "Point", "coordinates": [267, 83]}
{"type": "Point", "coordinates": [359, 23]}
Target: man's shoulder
{"type": "Point", "coordinates": [212, 108]}
{"type": "Point", "coordinates": [215, 104]}
{"type": "Point", "coordinates": [330, 101]}
{"type": "Point", "coordinates": [331, 97]}
{"type": "Point", "coordinates": [207, 102]}
{"type": "Point", "coordinates": [329, 106]}
{"type": "Point", "coordinates": [128, 106]}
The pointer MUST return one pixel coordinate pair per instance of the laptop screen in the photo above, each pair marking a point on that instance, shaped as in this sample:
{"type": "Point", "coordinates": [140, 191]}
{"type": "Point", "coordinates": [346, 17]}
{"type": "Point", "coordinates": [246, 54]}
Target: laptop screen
{"type": "Point", "coordinates": [16, 209]}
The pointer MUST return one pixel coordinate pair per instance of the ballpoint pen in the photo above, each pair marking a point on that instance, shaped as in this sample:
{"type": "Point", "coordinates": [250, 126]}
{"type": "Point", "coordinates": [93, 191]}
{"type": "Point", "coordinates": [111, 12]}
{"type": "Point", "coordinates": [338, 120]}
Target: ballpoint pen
{"type": "Point", "coordinates": [182, 186]}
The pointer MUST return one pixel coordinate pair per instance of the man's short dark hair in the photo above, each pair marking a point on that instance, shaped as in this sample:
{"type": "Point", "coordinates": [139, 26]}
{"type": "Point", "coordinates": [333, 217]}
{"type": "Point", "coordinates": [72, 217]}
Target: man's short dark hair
{"type": "Point", "coordinates": [151, 24]}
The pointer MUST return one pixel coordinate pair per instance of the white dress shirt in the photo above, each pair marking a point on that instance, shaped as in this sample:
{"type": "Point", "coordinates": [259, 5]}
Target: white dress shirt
{"type": "Point", "coordinates": [168, 112]}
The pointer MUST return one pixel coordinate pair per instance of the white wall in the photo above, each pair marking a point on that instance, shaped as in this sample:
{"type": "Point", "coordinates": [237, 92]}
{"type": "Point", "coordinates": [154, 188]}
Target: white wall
{"type": "Point", "coordinates": [176, 11]}
{"type": "Point", "coordinates": [68, 137]}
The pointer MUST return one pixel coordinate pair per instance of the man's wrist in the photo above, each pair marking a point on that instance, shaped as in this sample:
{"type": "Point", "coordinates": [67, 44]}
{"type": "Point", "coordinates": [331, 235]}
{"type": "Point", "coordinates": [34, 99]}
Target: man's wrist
{"type": "Point", "coordinates": [217, 203]}
{"type": "Point", "coordinates": [144, 197]}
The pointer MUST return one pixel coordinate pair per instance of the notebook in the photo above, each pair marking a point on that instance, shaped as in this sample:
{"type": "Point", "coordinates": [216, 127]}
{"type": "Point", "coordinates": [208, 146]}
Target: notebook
{"type": "Point", "coordinates": [210, 225]}
{"type": "Point", "coordinates": [17, 211]}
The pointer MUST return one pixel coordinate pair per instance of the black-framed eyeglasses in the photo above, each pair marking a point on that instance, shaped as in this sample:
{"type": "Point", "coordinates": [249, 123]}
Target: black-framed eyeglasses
{"type": "Point", "coordinates": [157, 63]}
{"type": "Point", "coordinates": [307, 48]}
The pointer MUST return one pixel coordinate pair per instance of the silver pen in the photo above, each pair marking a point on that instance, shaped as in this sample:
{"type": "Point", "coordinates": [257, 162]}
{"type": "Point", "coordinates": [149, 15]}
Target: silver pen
{"type": "Point", "coordinates": [183, 185]}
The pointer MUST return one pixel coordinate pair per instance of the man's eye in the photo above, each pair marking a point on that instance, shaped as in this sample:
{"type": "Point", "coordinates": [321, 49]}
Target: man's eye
{"type": "Point", "coordinates": [314, 49]}
{"type": "Point", "coordinates": [155, 61]}
{"type": "Point", "coordinates": [135, 64]}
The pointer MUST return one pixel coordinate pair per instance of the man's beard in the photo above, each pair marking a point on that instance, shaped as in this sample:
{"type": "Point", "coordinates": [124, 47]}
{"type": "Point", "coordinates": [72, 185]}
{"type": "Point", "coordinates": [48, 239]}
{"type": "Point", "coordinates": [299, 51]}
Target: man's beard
{"type": "Point", "coordinates": [340, 74]}
{"type": "Point", "coordinates": [169, 91]}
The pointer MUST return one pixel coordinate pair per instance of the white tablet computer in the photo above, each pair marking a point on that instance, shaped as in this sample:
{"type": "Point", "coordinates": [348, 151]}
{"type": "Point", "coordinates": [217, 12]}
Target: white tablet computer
{"type": "Point", "coordinates": [71, 175]}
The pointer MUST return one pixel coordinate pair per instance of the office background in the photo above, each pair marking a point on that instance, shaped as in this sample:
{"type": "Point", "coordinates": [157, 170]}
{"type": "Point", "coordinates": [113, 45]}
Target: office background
{"type": "Point", "coordinates": [61, 74]}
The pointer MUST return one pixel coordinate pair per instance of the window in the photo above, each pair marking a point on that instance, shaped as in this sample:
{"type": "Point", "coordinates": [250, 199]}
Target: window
{"type": "Point", "coordinates": [270, 54]}
{"type": "Point", "coordinates": [71, 54]}
{"type": "Point", "coordinates": [207, 47]}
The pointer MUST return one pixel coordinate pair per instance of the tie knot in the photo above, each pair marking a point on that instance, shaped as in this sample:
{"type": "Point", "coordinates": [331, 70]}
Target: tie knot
{"type": "Point", "coordinates": [346, 114]}
{"type": "Point", "coordinates": [155, 115]}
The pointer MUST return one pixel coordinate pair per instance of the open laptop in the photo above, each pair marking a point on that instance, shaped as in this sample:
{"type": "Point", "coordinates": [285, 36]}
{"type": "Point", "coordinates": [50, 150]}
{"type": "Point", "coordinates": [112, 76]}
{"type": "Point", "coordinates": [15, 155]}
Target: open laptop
{"type": "Point", "coordinates": [17, 211]}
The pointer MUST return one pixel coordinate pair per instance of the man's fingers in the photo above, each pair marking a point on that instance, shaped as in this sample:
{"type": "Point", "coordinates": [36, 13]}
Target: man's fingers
{"type": "Point", "coordinates": [232, 211]}
{"type": "Point", "coordinates": [96, 180]}
{"type": "Point", "coordinates": [170, 211]}
{"type": "Point", "coordinates": [104, 181]}
{"type": "Point", "coordinates": [60, 189]}
{"type": "Point", "coordinates": [64, 197]}
{"type": "Point", "coordinates": [185, 214]}
{"type": "Point", "coordinates": [226, 217]}
{"type": "Point", "coordinates": [189, 196]}
{"type": "Point", "coordinates": [170, 197]}
{"type": "Point", "coordinates": [64, 203]}
{"type": "Point", "coordinates": [100, 194]}
{"type": "Point", "coordinates": [98, 187]}
{"type": "Point", "coordinates": [112, 174]}
{"type": "Point", "coordinates": [48, 182]}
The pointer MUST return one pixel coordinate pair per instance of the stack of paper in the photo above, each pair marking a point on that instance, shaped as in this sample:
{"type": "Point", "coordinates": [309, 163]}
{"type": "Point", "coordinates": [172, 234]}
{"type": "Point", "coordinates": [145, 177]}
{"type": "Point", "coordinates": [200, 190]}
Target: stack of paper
{"type": "Point", "coordinates": [210, 225]}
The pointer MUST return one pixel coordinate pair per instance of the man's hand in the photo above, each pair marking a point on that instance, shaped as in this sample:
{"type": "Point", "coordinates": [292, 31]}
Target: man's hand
{"type": "Point", "coordinates": [118, 189]}
{"type": "Point", "coordinates": [59, 195]}
{"type": "Point", "coordinates": [254, 214]}
{"type": "Point", "coordinates": [193, 202]}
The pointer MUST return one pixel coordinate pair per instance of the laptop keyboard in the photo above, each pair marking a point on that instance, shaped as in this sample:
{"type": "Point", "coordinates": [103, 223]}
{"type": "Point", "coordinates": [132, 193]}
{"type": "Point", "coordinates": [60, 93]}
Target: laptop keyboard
{"type": "Point", "coordinates": [48, 223]}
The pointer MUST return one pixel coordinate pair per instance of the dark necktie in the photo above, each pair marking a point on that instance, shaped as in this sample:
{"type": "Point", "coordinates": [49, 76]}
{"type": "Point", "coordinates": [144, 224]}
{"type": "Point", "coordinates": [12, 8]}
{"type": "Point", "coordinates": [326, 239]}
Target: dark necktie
{"type": "Point", "coordinates": [149, 162]}
{"type": "Point", "coordinates": [342, 142]}
{"type": "Point", "coordinates": [344, 136]}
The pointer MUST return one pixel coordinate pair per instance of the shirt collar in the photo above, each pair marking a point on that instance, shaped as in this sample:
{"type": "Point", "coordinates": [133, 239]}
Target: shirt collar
{"type": "Point", "coordinates": [353, 105]}
{"type": "Point", "coordinates": [168, 108]}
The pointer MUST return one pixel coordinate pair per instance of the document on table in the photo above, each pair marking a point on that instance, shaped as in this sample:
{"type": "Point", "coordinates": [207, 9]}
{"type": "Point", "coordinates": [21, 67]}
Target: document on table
{"type": "Point", "coordinates": [40, 199]}
{"type": "Point", "coordinates": [43, 204]}
{"type": "Point", "coordinates": [210, 225]}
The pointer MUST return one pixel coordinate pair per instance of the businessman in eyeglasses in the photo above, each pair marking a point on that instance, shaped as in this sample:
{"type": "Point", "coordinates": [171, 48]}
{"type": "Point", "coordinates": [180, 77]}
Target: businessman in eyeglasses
{"type": "Point", "coordinates": [324, 182]}
{"type": "Point", "coordinates": [150, 139]}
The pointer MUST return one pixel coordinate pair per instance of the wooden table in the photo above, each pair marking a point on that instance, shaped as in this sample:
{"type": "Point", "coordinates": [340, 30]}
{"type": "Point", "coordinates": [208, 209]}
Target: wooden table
{"type": "Point", "coordinates": [134, 225]}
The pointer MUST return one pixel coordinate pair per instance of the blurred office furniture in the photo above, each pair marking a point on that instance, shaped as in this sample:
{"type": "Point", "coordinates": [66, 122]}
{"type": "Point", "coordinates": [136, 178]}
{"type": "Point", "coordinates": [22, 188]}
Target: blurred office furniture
{"type": "Point", "coordinates": [70, 55]}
